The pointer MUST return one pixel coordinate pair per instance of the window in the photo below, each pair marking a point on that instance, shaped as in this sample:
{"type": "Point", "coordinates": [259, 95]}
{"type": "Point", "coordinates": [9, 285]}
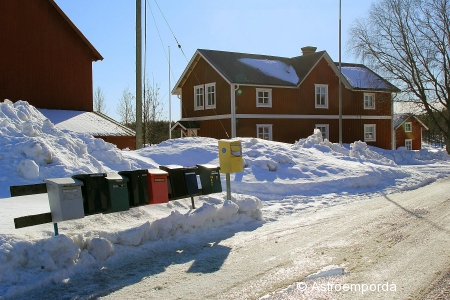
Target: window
{"type": "Point", "coordinates": [264, 131]}
{"type": "Point", "coordinates": [198, 97]}
{"type": "Point", "coordinates": [369, 132]}
{"type": "Point", "coordinates": [408, 144]}
{"type": "Point", "coordinates": [321, 96]}
{"type": "Point", "coordinates": [408, 127]}
{"type": "Point", "coordinates": [324, 130]}
{"type": "Point", "coordinates": [210, 89]}
{"type": "Point", "coordinates": [263, 98]}
{"type": "Point", "coordinates": [369, 101]}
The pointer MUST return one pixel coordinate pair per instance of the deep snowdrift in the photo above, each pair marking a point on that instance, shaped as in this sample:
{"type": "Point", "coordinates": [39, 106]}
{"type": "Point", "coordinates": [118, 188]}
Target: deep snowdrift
{"type": "Point", "coordinates": [33, 149]}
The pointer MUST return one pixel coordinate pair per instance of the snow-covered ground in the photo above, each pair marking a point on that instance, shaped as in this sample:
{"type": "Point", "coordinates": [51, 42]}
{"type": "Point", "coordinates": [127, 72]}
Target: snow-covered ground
{"type": "Point", "coordinates": [278, 179]}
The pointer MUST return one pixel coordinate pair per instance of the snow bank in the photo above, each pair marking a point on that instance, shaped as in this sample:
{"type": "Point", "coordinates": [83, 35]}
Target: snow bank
{"type": "Point", "coordinates": [358, 150]}
{"type": "Point", "coordinates": [24, 264]}
{"type": "Point", "coordinates": [34, 149]}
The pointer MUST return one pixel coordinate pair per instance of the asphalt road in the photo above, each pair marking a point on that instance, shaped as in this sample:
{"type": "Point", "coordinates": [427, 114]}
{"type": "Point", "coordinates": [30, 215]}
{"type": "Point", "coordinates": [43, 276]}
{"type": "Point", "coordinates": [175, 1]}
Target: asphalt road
{"type": "Point", "coordinates": [391, 247]}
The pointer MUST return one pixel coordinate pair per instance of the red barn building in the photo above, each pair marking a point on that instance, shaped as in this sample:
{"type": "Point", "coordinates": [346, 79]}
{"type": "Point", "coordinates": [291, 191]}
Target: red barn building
{"type": "Point", "coordinates": [46, 60]}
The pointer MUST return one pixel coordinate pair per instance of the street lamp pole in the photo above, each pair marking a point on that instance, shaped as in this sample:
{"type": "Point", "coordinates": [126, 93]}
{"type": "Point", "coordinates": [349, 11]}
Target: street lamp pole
{"type": "Point", "coordinates": [340, 79]}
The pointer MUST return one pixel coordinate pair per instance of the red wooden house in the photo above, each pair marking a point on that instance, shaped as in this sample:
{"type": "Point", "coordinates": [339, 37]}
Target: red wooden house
{"type": "Point", "coordinates": [408, 131]}
{"type": "Point", "coordinates": [45, 59]}
{"type": "Point", "coordinates": [228, 94]}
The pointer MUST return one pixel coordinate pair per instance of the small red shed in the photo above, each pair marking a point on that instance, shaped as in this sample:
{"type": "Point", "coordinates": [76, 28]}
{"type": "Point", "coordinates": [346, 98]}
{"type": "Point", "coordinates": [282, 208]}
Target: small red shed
{"type": "Point", "coordinates": [408, 131]}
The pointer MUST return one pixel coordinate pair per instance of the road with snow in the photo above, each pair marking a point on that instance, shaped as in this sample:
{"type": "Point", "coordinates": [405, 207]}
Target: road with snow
{"type": "Point", "coordinates": [390, 247]}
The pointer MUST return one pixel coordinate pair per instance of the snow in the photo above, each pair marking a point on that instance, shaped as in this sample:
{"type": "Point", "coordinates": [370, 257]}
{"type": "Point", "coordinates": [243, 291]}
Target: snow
{"type": "Point", "coordinates": [278, 179]}
{"type": "Point", "coordinates": [85, 122]}
{"type": "Point", "coordinates": [361, 77]}
{"type": "Point", "coordinates": [273, 68]}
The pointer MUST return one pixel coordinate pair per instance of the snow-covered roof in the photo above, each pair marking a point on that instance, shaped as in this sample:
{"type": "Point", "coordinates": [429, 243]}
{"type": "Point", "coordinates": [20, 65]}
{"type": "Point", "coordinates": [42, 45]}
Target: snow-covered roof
{"type": "Point", "coordinates": [265, 70]}
{"type": "Point", "coordinates": [86, 122]}
{"type": "Point", "coordinates": [400, 118]}
{"type": "Point", "coordinates": [361, 77]}
{"type": "Point", "coordinates": [273, 68]}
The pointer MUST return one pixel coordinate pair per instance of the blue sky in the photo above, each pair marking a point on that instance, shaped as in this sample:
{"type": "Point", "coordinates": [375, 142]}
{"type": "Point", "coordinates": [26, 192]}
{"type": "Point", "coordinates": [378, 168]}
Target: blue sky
{"type": "Point", "coordinates": [278, 28]}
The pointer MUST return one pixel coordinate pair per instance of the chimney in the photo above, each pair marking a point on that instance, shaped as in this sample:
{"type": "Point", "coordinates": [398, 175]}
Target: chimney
{"type": "Point", "coordinates": [309, 50]}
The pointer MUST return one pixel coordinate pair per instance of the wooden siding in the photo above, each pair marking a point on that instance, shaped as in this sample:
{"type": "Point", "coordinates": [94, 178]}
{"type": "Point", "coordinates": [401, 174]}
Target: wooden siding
{"type": "Point", "coordinates": [291, 130]}
{"type": "Point", "coordinates": [42, 59]}
{"type": "Point", "coordinates": [203, 73]}
{"type": "Point", "coordinates": [121, 142]}
{"type": "Point", "coordinates": [215, 129]}
{"type": "Point", "coordinates": [415, 134]}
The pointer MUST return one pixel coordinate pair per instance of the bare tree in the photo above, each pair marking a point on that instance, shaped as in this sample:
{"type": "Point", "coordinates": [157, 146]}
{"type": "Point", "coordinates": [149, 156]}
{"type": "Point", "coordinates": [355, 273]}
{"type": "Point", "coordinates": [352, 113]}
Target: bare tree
{"type": "Point", "coordinates": [99, 101]}
{"type": "Point", "coordinates": [152, 111]}
{"type": "Point", "coordinates": [408, 41]}
{"type": "Point", "coordinates": [126, 109]}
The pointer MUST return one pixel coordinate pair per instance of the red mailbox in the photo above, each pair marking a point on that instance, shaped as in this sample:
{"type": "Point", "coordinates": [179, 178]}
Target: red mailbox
{"type": "Point", "coordinates": [157, 186]}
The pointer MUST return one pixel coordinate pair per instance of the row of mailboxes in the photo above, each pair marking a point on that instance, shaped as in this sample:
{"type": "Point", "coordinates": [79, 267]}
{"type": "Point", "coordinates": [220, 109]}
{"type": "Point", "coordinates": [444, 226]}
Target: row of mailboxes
{"type": "Point", "coordinates": [86, 194]}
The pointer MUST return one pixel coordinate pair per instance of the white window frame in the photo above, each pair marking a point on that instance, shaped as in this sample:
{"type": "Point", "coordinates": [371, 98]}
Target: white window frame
{"type": "Point", "coordinates": [325, 86]}
{"type": "Point", "coordinates": [370, 139]}
{"type": "Point", "coordinates": [269, 98]}
{"type": "Point", "coordinates": [410, 144]}
{"type": "Point", "coordinates": [196, 106]}
{"type": "Point", "coordinates": [410, 126]}
{"type": "Point", "coordinates": [269, 126]}
{"type": "Point", "coordinates": [373, 101]}
{"type": "Point", "coordinates": [207, 94]}
{"type": "Point", "coordinates": [326, 134]}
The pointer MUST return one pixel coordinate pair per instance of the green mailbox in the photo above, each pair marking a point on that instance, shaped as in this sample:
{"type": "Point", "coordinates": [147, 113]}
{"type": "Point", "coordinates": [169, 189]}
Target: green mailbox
{"type": "Point", "coordinates": [117, 193]}
{"type": "Point", "coordinates": [210, 179]}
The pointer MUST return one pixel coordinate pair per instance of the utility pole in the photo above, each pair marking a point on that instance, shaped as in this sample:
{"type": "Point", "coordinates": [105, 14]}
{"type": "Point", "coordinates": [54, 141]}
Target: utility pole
{"type": "Point", "coordinates": [138, 75]}
{"type": "Point", "coordinates": [340, 79]}
{"type": "Point", "coordinates": [170, 103]}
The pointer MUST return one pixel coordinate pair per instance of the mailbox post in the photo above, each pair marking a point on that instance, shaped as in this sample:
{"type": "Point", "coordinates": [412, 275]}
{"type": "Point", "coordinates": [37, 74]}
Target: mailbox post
{"type": "Point", "coordinates": [230, 159]}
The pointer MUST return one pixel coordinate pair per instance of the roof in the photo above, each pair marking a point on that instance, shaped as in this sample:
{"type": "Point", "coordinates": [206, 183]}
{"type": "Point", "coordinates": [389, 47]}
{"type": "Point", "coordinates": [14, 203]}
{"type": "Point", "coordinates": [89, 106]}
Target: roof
{"type": "Point", "coordinates": [361, 77]}
{"type": "Point", "coordinates": [265, 70]}
{"type": "Point", "coordinates": [93, 123]}
{"type": "Point", "coordinates": [399, 119]}
{"type": "Point", "coordinates": [186, 125]}
{"type": "Point", "coordinates": [95, 53]}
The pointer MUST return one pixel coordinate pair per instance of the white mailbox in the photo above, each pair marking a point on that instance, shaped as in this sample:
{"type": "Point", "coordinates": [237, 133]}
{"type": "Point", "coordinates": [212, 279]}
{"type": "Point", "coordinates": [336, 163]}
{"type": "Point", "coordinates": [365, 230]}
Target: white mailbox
{"type": "Point", "coordinates": [65, 199]}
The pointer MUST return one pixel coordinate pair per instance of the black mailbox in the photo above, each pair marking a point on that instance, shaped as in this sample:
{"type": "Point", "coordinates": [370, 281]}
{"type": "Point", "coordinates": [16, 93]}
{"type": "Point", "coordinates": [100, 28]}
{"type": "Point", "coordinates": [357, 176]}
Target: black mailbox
{"type": "Point", "coordinates": [137, 186]}
{"type": "Point", "coordinates": [94, 192]}
{"type": "Point", "coordinates": [210, 179]}
{"type": "Point", "coordinates": [190, 177]}
{"type": "Point", "coordinates": [176, 182]}
{"type": "Point", "coordinates": [182, 181]}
